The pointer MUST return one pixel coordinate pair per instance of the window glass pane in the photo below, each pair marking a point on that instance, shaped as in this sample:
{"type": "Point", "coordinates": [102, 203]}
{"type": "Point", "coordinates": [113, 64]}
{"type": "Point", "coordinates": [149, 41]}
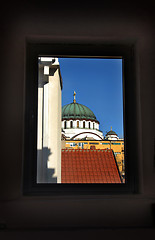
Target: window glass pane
{"type": "Point", "coordinates": [80, 127]}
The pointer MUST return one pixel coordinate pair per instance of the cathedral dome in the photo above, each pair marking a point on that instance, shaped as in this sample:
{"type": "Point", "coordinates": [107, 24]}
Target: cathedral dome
{"type": "Point", "coordinates": [77, 111]}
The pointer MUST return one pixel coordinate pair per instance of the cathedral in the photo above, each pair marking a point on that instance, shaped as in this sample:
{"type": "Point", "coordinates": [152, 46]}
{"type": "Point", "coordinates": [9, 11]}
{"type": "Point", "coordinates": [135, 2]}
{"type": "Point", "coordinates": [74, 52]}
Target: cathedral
{"type": "Point", "coordinates": [80, 123]}
{"type": "Point", "coordinates": [80, 130]}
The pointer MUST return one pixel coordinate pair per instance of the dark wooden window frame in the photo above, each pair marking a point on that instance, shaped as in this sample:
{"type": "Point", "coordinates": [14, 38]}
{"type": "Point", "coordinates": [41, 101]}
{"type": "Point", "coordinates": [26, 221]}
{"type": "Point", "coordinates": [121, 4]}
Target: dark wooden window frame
{"type": "Point", "coordinates": [124, 50]}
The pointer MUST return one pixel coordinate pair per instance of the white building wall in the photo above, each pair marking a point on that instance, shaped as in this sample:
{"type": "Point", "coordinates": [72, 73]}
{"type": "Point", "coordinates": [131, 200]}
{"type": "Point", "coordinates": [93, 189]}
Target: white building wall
{"type": "Point", "coordinates": [54, 140]}
{"type": "Point", "coordinates": [88, 135]}
{"type": "Point", "coordinates": [72, 132]}
{"type": "Point", "coordinates": [112, 137]}
{"type": "Point", "coordinates": [96, 126]}
{"type": "Point", "coordinates": [40, 110]}
{"type": "Point", "coordinates": [49, 126]}
{"type": "Point", "coordinates": [39, 135]}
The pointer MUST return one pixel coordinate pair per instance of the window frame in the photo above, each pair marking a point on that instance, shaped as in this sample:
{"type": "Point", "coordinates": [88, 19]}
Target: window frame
{"type": "Point", "coordinates": [125, 50]}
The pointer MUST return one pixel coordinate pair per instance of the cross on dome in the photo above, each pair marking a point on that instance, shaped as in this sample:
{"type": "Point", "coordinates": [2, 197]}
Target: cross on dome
{"type": "Point", "coordinates": [74, 97]}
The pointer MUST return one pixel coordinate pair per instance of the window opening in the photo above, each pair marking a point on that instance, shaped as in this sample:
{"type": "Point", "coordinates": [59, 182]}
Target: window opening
{"type": "Point", "coordinates": [57, 164]}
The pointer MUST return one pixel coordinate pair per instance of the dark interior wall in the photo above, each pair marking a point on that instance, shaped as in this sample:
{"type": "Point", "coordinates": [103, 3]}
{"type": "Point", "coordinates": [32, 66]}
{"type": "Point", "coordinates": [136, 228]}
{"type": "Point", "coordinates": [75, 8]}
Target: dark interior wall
{"type": "Point", "coordinates": [94, 22]}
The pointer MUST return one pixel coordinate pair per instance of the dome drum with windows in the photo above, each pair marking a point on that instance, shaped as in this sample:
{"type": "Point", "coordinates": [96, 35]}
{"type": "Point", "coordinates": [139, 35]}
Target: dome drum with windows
{"type": "Point", "coordinates": [78, 122]}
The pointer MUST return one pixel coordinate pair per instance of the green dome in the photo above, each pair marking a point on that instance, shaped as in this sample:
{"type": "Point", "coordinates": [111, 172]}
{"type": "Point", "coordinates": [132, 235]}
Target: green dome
{"type": "Point", "coordinates": [77, 111]}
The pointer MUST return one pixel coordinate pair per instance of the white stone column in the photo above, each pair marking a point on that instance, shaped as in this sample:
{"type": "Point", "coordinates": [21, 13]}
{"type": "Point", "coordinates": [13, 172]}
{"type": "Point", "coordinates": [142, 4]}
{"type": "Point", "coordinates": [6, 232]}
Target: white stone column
{"type": "Point", "coordinates": [39, 135]}
{"type": "Point", "coordinates": [74, 124]}
{"type": "Point", "coordinates": [40, 106]}
{"type": "Point", "coordinates": [68, 124]}
{"type": "Point", "coordinates": [54, 118]}
{"type": "Point", "coordinates": [86, 124]}
{"type": "Point", "coordinates": [80, 124]}
{"type": "Point", "coordinates": [49, 122]}
{"type": "Point", "coordinates": [45, 116]}
{"type": "Point", "coordinates": [46, 151]}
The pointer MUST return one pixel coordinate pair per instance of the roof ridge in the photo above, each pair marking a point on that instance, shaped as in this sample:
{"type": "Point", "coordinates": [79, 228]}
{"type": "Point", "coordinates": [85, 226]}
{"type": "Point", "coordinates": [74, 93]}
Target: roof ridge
{"type": "Point", "coordinates": [90, 150]}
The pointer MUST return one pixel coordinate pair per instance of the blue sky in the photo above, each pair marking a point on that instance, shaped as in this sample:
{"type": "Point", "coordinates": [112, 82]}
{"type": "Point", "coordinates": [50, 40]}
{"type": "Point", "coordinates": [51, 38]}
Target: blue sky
{"type": "Point", "coordinates": [98, 85]}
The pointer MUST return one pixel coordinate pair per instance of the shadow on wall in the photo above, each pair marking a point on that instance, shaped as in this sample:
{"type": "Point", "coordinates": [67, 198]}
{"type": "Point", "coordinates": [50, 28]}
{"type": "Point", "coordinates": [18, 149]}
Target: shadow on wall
{"type": "Point", "coordinates": [44, 174]}
{"type": "Point", "coordinates": [153, 214]}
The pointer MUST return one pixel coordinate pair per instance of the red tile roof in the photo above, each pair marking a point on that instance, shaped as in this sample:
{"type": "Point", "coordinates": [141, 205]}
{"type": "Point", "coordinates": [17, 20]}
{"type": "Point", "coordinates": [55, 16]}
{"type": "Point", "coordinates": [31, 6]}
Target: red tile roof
{"type": "Point", "coordinates": [89, 166]}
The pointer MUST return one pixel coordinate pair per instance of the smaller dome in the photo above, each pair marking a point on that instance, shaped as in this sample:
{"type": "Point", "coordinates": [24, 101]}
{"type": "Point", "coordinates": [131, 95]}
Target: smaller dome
{"type": "Point", "coordinates": [111, 133]}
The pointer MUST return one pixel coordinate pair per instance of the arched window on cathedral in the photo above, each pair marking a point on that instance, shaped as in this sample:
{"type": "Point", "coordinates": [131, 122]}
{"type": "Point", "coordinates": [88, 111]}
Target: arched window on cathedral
{"type": "Point", "coordinates": [93, 125]}
{"type": "Point", "coordinates": [71, 124]}
{"type": "Point", "coordinates": [65, 124]}
{"type": "Point", "coordinates": [83, 124]}
{"type": "Point", "coordinates": [89, 124]}
{"type": "Point", "coordinates": [77, 124]}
